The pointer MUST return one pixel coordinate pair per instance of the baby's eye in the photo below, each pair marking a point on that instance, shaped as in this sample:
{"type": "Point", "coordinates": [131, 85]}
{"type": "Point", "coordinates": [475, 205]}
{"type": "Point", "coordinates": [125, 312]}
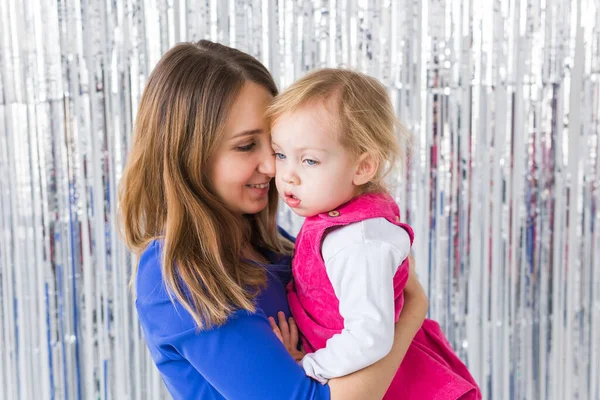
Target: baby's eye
{"type": "Point", "coordinates": [279, 156]}
{"type": "Point", "coordinates": [310, 162]}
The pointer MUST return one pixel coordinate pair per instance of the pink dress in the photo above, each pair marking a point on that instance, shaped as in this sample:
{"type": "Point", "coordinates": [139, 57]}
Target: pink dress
{"type": "Point", "coordinates": [431, 369]}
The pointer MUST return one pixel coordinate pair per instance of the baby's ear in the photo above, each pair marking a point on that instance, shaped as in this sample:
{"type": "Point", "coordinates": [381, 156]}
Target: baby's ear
{"type": "Point", "coordinates": [366, 169]}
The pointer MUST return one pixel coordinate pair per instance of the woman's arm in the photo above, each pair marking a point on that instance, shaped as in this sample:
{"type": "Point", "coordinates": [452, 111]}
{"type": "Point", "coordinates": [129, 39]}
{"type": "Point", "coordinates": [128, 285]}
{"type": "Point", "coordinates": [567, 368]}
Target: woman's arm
{"type": "Point", "coordinates": [244, 358]}
{"type": "Point", "coordinates": [240, 359]}
{"type": "Point", "coordinates": [372, 382]}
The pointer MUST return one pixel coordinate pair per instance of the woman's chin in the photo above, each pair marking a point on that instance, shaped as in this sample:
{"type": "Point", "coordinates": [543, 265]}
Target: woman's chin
{"type": "Point", "coordinates": [254, 207]}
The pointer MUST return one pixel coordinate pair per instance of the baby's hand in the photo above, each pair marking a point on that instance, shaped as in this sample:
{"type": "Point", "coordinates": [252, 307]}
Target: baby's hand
{"type": "Point", "coordinates": [287, 332]}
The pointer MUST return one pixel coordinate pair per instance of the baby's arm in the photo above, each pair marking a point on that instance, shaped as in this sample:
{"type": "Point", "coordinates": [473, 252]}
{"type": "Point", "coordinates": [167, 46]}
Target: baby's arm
{"type": "Point", "coordinates": [361, 260]}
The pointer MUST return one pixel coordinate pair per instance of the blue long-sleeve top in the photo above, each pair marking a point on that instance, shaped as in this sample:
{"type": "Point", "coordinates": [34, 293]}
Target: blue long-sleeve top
{"type": "Point", "coordinates": [242, 359]}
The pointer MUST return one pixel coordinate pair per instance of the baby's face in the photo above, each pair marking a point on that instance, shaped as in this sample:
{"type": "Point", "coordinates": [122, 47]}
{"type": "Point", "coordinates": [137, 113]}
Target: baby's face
{"type": "Point", "coordinates": [314, 172]}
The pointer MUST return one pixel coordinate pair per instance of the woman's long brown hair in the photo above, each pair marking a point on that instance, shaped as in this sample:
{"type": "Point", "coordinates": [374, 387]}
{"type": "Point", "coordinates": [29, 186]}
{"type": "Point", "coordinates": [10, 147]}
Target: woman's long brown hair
{"type": "Point", "coordinates": [165, 194]}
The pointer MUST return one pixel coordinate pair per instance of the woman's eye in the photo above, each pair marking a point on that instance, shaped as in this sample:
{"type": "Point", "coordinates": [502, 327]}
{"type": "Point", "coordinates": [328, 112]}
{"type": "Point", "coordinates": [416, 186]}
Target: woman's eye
{"type": "Point", "coordinates": [279, 156]}
{"type": "Point", "coordinates": [310, 162]}
{"type": "Point", "coordinates": [246, 148]}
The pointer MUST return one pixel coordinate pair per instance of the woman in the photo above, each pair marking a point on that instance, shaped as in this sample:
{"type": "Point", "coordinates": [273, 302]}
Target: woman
{"type": "Point", "coordinates": [198, 207]}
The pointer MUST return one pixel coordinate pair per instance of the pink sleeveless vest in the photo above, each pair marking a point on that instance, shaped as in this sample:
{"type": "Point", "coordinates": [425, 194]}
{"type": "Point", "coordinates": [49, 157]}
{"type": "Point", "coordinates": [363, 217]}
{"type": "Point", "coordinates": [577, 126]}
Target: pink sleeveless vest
{"type": "Point", "coordinates": [430, 369]}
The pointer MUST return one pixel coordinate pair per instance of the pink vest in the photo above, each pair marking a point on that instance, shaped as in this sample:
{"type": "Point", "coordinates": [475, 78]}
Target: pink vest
{"type": "Point", "coordinates": [313, 301]}
{"type": "Point", "coordinates": [430, 369]}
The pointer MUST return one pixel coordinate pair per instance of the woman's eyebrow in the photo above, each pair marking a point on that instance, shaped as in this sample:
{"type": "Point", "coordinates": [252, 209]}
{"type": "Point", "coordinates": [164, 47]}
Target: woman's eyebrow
{"type": "Point", "coordinates": [247, 133]}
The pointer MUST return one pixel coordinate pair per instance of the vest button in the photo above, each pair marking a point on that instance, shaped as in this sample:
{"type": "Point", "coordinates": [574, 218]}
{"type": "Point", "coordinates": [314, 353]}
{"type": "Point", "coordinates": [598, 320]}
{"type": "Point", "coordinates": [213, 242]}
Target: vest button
{"type": "Point", "coordinates": [334, 213]}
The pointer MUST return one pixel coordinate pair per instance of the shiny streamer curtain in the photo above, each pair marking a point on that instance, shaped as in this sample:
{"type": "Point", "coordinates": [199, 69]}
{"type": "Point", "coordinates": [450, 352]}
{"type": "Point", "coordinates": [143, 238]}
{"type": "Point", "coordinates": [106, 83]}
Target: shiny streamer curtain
{"type": "Point", "coordinates": [503, 99]}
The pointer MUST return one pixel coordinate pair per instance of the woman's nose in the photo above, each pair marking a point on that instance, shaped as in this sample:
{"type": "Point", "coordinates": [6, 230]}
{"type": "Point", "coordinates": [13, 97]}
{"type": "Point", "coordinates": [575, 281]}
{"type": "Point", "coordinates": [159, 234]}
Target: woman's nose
{"type": "Point", "coordinates": [267, 163]}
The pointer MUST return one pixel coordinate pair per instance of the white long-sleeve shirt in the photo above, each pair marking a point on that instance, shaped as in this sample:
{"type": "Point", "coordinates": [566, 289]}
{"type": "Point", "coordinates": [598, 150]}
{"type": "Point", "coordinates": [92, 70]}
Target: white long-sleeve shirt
{"type": "Point", "coordinates": [361, 260]}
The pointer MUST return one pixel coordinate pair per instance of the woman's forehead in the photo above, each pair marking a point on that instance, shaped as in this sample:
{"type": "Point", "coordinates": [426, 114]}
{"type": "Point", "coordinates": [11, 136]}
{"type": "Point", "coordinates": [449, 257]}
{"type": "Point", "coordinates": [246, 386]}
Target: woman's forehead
{"type": "Point", "coordinates": [247, 112]}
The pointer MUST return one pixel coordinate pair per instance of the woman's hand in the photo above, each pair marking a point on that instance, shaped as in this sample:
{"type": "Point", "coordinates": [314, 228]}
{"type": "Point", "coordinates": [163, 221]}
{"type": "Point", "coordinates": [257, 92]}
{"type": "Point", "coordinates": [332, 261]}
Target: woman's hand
{"type": "Point", "coordinates": [287, 332]}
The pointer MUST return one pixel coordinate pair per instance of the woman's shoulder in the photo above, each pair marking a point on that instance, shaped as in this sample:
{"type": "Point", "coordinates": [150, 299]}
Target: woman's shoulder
{"type": "Point", "coordinates": [160, 316]}
{"type": "Point", "coordinates": [155, 307]}
{"type": "Point", "coordinates": [149, 280]}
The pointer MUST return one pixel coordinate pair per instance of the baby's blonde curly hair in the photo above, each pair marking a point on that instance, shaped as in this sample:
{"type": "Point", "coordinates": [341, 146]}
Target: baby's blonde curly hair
{"type": "Point", "coordinates": [367, 122]}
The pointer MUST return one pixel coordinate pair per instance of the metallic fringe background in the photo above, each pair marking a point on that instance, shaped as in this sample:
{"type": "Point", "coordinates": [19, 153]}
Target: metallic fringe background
{"type": "Point", "coordinates": [503, 98]}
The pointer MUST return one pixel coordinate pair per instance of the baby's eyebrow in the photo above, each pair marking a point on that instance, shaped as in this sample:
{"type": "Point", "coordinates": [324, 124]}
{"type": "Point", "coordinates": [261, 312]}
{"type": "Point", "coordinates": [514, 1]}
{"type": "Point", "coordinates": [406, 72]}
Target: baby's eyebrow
{"type": "Point", "coordinates": [305, 148]}
{"type": "Point", "coordinates": [312, 148]}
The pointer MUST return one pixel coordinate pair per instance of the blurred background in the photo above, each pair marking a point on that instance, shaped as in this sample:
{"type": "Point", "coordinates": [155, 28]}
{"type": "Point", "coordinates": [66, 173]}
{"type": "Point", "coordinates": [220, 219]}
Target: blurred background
{"type": "Point", "coordinates": [502, 97]}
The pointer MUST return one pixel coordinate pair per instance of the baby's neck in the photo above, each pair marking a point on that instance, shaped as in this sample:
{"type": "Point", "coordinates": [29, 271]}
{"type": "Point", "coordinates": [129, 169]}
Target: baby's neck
{"type": "Point", "coordinates": [358, 192]}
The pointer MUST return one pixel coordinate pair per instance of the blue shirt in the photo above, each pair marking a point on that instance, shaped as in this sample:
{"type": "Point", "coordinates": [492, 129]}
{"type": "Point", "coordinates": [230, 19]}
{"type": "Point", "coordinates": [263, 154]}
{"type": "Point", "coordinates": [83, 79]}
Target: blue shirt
{"type": "Point", "coordinates": [242, 359]}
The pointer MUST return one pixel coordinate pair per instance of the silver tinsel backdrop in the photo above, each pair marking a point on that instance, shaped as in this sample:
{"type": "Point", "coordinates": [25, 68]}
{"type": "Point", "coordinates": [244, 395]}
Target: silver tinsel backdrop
{"type": "Point", "coordinates": [503, 98]}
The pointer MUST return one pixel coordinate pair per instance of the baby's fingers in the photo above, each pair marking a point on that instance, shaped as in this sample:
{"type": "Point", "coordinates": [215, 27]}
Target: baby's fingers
{"type": "Point", "coordinates": [293, 332]}
{"type": "Point", "coordinates": [285, 329]}
{"type": "Point", "coordinates": [276, 329]}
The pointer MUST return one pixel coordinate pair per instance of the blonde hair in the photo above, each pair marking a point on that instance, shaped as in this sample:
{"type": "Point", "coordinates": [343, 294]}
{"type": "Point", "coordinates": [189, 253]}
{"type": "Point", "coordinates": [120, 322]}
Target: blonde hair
{"type": "Point", "coordinates": [366, 119]}
{"type": "Point", "coordinates": [166, 194]}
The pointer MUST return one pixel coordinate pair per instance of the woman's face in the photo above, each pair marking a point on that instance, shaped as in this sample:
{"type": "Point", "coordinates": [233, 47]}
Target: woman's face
{"type": "Point", "coordinates": [243, 165]}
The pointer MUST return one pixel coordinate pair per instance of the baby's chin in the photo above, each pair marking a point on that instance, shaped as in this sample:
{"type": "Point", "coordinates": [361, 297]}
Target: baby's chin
{"type": "Point", "coordinates": [305, 213]}
{"type": "Point", "coordinates": [302, 211]}
{"type": "Point", "coordinates": [309, 211]}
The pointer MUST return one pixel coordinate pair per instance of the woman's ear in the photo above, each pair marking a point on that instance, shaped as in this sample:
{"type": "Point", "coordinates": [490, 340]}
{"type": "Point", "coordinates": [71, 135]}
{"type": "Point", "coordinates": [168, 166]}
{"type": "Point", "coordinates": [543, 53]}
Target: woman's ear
{"type": "Point", "coordinates": [366, 169]}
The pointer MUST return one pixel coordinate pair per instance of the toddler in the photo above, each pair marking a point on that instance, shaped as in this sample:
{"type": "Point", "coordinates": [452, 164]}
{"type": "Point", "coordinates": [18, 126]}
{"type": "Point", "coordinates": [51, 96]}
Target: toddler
{"type": "Point", "coordinates": [334, 139]}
